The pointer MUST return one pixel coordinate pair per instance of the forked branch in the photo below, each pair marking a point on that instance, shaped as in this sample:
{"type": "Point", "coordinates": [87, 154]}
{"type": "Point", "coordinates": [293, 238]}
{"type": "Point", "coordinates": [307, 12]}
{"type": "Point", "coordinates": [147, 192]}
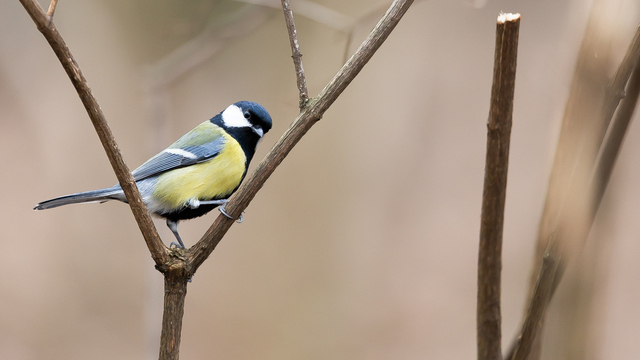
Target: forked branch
{"type": "Point", "coordinates": [178, 268]}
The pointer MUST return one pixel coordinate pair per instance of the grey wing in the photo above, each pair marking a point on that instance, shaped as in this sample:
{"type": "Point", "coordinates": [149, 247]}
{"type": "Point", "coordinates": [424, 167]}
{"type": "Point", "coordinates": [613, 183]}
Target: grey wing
{"type": "Point", "coordinates": [174, 158]}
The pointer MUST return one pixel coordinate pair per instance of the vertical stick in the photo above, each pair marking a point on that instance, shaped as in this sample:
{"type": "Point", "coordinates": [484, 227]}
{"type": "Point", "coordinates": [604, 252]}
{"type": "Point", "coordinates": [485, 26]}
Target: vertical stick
{"type": "Point", "coordinates": [495, 185]}
{"type": "Point", "coordinates": [295, 53]}
{"type": "Point", "coordinates": [175, 291]}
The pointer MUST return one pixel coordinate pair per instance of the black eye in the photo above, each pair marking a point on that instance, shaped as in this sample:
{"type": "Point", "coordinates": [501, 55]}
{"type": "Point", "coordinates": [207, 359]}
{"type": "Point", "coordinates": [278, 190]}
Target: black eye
{"type": "Point", "coordinates": [247, 115]}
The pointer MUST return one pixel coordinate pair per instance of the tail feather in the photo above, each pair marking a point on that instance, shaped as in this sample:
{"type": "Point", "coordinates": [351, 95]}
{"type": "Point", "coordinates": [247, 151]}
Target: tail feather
{"type": "Point", "coordinates": [112, 193]}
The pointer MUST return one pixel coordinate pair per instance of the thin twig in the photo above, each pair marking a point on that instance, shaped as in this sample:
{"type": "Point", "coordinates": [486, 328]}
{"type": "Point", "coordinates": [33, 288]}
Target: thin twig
{"type": "Point", "coordinates": [495, 187]}
{"type": "Point", "coordinates": [179, 266]}
{"type": "Point", "coordinates": [347, 45]}
{"type": "Point", "coordinates": [159, 252]}
{"type": "Point", "coordinates": [52, 9]}
{"type": "Point", "coordinates": [305, 120]}
{"type": "Point", "coordinates": [618, 129]}
{"type": "Point", "coordinates": [615, 91]}
{"type": "Point", "coordinates": [537, 307]}
{"type": "Point", "coordinates": [314, 11]}
{"type": "Point", "coordinates": [295, 53]}
{"type": "Point", "coordinates": [217, 32]}
{"type": "Point", "coordinates": [579, 136]}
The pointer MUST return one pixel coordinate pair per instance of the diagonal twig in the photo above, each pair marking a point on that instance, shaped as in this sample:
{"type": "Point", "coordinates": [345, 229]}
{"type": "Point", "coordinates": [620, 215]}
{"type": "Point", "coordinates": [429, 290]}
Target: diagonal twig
{"type": "Point", "coordinates": [630, 68]}
{"type": "Point", "coordinates": [159, 252]}
{"type": "Point", "coordinates": [560, 235]}
{"type": "Point", "coordinates": [616, 89]}
{"type": "Point", "coordinates": [313, 112]}
{"type": "Point", "coordinates": [495, 187]}
{"type": "Point", "coordinates": [180, 266]}
{"type": "Point", "coordinates": [537, 306]}
{"type": "Point", "coordinates": [314, 11]}
{"type": "Point", "coordinates": [52, 9]}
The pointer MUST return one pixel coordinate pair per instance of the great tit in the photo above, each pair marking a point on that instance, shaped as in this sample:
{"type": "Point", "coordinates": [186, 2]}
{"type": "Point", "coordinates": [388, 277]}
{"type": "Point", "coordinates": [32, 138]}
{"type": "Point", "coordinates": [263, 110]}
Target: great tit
{"type": "Point", "coordinates": [195, 174]}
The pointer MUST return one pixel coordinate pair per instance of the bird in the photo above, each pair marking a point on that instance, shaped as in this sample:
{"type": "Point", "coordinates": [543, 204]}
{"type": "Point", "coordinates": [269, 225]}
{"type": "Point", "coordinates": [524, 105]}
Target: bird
{"type": "Point", "coordinates": [195, 174]}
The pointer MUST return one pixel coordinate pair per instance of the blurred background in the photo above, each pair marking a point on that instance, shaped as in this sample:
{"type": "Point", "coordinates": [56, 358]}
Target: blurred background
{"type": "Point", "coordinates": [363, 244]}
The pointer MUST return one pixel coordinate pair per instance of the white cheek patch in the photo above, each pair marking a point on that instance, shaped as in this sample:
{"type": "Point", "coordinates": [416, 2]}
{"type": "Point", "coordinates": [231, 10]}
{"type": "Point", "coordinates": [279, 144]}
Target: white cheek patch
{"type": "Point", "coordinates": [181, 152]}
{"type": "Point", "coordinates": [233, 117]}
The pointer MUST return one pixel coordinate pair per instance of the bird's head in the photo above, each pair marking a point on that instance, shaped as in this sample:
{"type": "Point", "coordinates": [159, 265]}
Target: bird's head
{"type": "Point", "coordinates": [247, 114]}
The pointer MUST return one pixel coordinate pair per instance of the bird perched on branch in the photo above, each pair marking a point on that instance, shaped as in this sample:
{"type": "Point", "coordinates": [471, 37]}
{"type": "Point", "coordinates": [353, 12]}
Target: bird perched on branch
{"type": "Point", "coordinates": [195, 174]}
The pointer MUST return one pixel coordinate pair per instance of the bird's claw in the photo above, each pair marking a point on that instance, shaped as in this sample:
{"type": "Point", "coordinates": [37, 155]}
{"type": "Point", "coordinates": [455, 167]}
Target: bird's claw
{"type": "Point", "coordinates": [238, 220]}
{"type": "Point", "coordinates": [177, 246]}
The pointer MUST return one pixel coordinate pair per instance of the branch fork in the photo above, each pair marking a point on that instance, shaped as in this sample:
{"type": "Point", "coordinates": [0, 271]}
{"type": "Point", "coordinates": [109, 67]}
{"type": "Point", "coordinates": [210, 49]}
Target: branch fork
{"type": "Point", "coordinates": [179, 265]}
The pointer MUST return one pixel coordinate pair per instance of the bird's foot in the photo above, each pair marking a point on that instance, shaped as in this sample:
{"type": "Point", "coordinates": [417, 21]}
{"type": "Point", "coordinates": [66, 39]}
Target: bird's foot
{"type": "Point", "coordinates": [238, 220]}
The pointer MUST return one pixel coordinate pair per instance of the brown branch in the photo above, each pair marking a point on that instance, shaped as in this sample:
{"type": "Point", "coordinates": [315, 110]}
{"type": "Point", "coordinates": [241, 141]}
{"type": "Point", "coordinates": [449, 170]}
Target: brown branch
{"type": "Point", "coordinates": [159, 252]}
{"type": "Point", "coordinates": [615, 92]}
{"type": "Point", "coordinates": [52, 9]}
{"type": "Point", "coordinates": [495, 187]}
{"type": "Point", "coordinates": [537, 307]}
{"type": "Point", "coordinates": [178, 266]}
{"type": "Point", "coordinates": [295, 53]}
{"type": "Point", "coordinates": [618, 129]}
{"type": "Point", "coordinates": [175, 292]}
{"type": "Point", "coordinates": [559, 224]}
{"type": "Point", "coordinates": [580, 136]}
{"type": "Point", "coordinates": [306, 119]}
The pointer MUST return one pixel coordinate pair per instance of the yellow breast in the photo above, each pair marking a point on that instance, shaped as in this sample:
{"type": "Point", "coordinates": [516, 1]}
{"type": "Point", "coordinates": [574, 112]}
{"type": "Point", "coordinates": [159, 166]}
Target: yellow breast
{"type": "Point", "coordinates": [215, 178]}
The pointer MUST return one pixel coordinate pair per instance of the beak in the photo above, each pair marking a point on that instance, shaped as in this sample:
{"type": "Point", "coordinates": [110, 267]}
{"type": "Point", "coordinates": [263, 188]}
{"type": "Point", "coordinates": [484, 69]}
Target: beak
{"type": "Point", "coordinates": [258, 130]}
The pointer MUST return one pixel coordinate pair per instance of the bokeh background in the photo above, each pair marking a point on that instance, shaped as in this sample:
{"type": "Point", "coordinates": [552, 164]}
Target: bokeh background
{"type": "Point", "coordinates": [363, 244]}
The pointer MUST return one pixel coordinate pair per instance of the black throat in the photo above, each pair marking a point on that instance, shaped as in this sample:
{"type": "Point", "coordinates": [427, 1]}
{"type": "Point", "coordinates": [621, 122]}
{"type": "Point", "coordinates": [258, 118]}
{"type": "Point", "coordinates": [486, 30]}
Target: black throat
{"type": "Point", "coordinates": [247, 139]}
{"type": "Point", "coordinates": [245, 136]}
